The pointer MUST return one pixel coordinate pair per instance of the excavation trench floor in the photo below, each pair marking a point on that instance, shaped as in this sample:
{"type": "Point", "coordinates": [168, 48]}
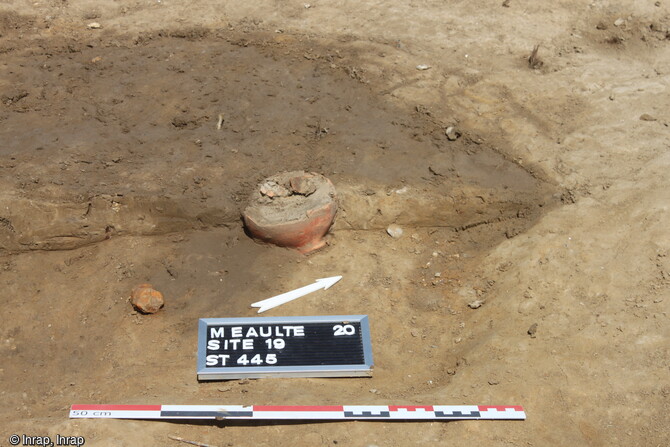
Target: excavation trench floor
{"type": "Point", "coordinates": [128, 160]}
{"type": "Point", "coordinates": [129, 148]}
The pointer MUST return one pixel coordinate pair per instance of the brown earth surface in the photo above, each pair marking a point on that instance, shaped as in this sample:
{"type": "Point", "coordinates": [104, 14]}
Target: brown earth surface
{"type": "Point", "coordinates": [547, 202]}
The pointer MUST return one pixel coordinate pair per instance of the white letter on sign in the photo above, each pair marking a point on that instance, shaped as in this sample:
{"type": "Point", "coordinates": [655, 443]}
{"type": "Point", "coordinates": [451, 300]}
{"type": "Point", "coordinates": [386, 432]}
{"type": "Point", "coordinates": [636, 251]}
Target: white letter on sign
{"type": "Point", "coordinates": [216, 332]}
{"type": "Point", "coordinates": [213, 359]}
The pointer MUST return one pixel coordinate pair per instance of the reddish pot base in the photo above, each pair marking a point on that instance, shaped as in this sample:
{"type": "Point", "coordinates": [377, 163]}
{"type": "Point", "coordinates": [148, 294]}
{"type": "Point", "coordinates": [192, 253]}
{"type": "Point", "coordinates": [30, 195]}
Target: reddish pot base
{"type": "Point", "coordinates": [293, 220]}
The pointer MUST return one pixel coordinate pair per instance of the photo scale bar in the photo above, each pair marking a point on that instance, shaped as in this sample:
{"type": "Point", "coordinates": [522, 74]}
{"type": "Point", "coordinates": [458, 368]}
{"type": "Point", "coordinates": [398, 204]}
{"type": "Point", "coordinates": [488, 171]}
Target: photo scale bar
{"type": "Point", "coordinates": [301, 412]}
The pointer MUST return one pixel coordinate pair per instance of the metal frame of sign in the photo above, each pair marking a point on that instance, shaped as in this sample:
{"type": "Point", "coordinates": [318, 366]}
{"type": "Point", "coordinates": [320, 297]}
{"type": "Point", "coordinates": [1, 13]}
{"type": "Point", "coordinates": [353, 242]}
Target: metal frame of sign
{"type": "Point", "coordinates": [256, 372]}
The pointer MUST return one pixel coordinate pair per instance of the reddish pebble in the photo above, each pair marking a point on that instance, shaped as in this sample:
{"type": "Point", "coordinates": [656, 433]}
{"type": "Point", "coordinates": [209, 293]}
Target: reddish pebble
{"type": "Point", "coordinates": [146, 299]}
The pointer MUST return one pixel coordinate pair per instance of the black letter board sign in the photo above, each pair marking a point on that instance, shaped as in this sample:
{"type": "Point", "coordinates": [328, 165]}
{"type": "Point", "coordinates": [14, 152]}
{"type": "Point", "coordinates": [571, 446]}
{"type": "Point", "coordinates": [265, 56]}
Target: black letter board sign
{"type": "Point", "coordinates": [237, 348]}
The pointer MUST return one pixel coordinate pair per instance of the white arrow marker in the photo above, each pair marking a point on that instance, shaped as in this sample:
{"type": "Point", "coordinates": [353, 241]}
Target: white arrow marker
{"type": "Point", "coordinates": [270, 303]}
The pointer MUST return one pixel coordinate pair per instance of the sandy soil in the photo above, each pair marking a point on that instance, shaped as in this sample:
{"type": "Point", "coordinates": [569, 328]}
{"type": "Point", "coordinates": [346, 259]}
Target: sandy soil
{"type": "Point", "coordinates": [550, 207]}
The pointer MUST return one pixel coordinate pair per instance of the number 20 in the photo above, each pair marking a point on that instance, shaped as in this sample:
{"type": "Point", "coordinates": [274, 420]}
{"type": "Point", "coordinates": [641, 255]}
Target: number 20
{"type": "Point", "coordinates": [347, 329]}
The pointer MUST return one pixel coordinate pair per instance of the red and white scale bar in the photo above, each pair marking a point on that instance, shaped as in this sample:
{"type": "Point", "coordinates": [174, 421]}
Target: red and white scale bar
{"type": "Point", "coordinates": [288, 412]}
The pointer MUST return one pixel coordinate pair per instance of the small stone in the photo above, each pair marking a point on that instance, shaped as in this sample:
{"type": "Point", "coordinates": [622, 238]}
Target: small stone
{"type": "Point", "coordinates": [493, 381]}
{"type": "Point", "coordinates": [476, 304]}
{"type": "Point", "coordinates": [146, 299]}
{"type": "Point", "coordinates": [96, 59]}
{"type": "Point", "coordinates": [394, 231]}
{"type": "Point", "coordinates": [94, 25]}
{"type": "Point", "coordinates": [647, 117]}
{"type": "Point", "coordinates": [601, 26]}
{"type": "Point", "coordinates": [91, 15]}
{"type": "Point", "coordinates": [414, 332]}
{"type": "Point", "coordinates": [452, 133]}
{"type": "Point", "coordinates": [619, 22]}
{"type": "Point", "coordinates": [422, 67]}
{"type": "Point", "coordinates": [532, 330]}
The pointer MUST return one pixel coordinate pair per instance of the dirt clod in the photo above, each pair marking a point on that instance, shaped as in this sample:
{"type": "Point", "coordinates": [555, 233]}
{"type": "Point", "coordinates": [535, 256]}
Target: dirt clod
{"type": "Point", "coordinates": [304, 185]}
{"type": "Point", "coordinates": [476, 304]}
{"type": "Point", "coordinates": [13, 97]}
{"type": "Point", "coordinates": [272, 189]}
{"type": "Point", "coordinates": [647, 117]}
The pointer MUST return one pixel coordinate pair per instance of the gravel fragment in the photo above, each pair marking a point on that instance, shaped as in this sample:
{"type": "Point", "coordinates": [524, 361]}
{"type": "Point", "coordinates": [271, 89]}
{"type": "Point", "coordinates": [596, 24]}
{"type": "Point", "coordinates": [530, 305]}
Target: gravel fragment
{"type": "Point", "coordinates": [394, 231]}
